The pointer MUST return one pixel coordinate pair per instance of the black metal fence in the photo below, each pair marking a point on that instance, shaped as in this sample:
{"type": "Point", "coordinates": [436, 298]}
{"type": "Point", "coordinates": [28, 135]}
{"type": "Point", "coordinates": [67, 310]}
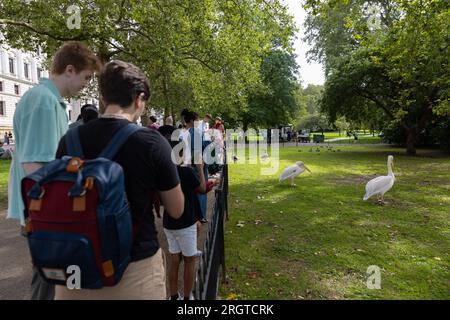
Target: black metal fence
{"type": "Point", "coordinates": [212, 262]}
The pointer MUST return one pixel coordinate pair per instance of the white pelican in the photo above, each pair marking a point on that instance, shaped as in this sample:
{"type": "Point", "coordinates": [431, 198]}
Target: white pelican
{"type": "Point", "coordinates": [293, 171]}
{"type": "Point", "coordinates": [381, 185]}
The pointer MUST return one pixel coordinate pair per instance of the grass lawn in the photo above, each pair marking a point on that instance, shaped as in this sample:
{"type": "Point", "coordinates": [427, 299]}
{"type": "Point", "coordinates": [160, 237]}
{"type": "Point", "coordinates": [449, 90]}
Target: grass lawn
{"type": "Point", "coordinates": [316, 240]}
{"type": "Point", "coordinates": [361, 140]}
{"type": "Point", "coordinates": [335, 134]}
{"type": "Point", "coordinates": [235, 137]}
{"type": "Point", "coordinates": [4, 173]}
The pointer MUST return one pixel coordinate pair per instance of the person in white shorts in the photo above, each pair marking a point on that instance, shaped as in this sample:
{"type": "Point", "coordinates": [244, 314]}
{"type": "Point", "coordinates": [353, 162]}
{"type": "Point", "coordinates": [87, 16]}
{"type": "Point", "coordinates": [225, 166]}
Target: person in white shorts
{"type": "Point", "coordinates": [182, 233]}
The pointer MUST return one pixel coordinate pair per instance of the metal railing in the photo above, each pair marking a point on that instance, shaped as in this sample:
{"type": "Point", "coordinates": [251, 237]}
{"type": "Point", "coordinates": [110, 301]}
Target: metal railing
{"type": "Point", "coordinates": [212, 262]}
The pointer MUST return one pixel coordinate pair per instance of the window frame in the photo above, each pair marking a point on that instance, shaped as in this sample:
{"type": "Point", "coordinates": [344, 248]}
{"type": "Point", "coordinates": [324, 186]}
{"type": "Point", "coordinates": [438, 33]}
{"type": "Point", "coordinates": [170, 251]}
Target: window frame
{"type": "Point", "coordinates": [2, 108]}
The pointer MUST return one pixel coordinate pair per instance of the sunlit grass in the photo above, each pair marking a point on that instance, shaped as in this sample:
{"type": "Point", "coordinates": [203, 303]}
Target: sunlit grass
{"type": "Point", "coordinates": [4, 172]}
{"type": "Point", "coordinates": [316, 240]}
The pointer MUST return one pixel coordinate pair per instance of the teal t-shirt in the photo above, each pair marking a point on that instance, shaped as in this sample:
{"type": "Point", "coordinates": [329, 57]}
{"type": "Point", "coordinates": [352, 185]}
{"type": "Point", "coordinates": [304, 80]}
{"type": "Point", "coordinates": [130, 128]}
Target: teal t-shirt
{"type": "Point", "coordinates": [40, 121]}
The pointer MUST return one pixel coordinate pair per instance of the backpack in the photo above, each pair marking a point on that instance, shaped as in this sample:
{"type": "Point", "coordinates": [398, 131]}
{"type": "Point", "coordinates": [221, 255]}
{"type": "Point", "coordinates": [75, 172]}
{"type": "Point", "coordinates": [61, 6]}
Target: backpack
{"type": "Point", "coordinates": [76, 214]}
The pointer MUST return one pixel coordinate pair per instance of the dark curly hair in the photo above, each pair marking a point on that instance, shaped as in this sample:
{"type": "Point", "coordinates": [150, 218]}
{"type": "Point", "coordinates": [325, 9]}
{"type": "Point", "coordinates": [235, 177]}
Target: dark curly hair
{"type": "Point", "coordinates": [189, 116]}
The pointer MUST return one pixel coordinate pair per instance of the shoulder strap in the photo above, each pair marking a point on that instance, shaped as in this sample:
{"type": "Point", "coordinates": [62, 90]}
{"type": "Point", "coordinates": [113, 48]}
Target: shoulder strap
{"type": "Point", "coordinates": [73, 143]}
{"type": "Point", "coordinates": [118, 140]}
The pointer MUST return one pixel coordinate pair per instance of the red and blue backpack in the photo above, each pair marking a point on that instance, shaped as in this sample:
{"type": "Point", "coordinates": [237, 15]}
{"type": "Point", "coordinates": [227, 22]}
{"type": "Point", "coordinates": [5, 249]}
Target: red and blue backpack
{"type": "Point", "coordinates": [76, 214]}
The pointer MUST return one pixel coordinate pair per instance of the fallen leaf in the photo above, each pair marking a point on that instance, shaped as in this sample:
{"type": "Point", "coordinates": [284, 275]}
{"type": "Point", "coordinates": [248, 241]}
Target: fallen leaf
{"type": "Point", "coordinates": [231, 296]}
{"type": "Point", "coordinates": [437, 258]}
{"type": "Point", "coordinates": [258, 222]}
{"type": "Point", "coordinates": [253, 275]}
{"type": "Point", "coordinates": [276, 274]}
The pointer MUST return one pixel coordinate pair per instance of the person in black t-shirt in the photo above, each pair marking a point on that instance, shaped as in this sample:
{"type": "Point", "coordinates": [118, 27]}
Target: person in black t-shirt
{"type": "Point", "coordinates": [181, 233]}
{"type": "Point", "coordinates": [148, 169]}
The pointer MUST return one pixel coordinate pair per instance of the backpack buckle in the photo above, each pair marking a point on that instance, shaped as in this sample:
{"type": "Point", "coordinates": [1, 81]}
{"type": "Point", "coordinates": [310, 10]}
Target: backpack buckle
{"type": "Point", "coordinates": [74, 165]}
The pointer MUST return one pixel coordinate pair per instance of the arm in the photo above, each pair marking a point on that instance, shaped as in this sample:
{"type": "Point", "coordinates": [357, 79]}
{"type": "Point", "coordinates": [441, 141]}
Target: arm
{"type": "Point", "coordinates": [173, 201]}
{"type": "Point", "coordinates": [202, 187]}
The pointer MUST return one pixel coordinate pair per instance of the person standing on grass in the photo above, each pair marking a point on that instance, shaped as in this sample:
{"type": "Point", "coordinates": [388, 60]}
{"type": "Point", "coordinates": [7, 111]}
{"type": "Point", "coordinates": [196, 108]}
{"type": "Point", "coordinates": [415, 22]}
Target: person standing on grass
{"type": "Point", "coordinates": [40, 120]}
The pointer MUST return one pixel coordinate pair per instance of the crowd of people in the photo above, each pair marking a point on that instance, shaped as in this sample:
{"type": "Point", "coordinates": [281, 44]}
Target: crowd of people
{"type": "Point", "coordinates": [40, 126]}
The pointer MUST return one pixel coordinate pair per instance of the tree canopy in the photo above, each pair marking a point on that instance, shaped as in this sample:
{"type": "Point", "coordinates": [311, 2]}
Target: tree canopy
{"type": "Point", "coordinates": [201, 54]}
{"type": "Point", "coordinates": [388, 56]}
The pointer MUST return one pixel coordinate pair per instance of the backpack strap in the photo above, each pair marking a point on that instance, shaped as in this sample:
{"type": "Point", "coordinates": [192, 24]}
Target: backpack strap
{"type": "Point", "coordinates": [118, 140]}
{"type": "Point", "coordinates": [73, 143]}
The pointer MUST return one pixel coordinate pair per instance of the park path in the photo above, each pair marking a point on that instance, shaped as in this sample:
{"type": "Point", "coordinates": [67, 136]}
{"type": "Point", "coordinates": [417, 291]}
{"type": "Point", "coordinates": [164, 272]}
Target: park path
{"type": "Point", "coordinates": [15, 262]}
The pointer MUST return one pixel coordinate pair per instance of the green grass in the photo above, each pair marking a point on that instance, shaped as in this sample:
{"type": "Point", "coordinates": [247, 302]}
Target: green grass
{"type": "Point", "coordinates": [335, 134]}
{"type": "Point", "coordinates": [316, 240]}
{"type": "Point", "coordinates": [331, 135]}
{"type": "Point", "coordinates": [4, 173]}
{"type": "Point", "coordinates": [361, 140]}
{"type": "Point", "coordinates": [235, 136]}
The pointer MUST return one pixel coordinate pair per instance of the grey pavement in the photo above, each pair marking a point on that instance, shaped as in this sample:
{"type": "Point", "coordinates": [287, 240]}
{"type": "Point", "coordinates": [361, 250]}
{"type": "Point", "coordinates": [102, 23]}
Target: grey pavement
{"type": "Point", "coordinates": [15, 262]}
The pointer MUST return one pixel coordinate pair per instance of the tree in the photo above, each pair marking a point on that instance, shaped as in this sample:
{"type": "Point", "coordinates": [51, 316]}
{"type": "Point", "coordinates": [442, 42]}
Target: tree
{"type": "Point", "coordinates": [198, 53]}
{"type": "Point", "coordinates": [275, 100]}
{"type": "Point", "coordinates": [401, 69]}
{"type": "Point", "coordinates": [314, 122]}
{"type": "Point", "coordinates": [312, 94]}
{"type": "Point", "coordinates": [341, 124]}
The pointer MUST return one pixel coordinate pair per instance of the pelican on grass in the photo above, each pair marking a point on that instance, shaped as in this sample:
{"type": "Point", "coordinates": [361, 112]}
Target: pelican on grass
{"type": "Point", "coordinates": [293, 171]}
{"type": "Point", "coordinates": [380, 185]}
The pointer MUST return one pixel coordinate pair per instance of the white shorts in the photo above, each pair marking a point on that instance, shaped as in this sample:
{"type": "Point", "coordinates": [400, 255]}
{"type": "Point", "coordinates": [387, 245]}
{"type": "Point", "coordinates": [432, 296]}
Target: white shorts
{"type": "Point", "coordinates": [183, 240]}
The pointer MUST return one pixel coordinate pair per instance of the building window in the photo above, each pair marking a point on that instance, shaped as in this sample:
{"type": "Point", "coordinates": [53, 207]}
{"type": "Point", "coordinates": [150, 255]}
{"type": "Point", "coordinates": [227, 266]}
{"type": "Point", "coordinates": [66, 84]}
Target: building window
{"type": "Point", "coordinates": [11, 66]}
{"type": "Point", "coordinates": [2, 108]}
{"type": "Point", "coordinates": [16, 89]}
{"type": "Point", "coordinates": [26, 70]}
{"type": "Point", "coordinates": [1, 86]}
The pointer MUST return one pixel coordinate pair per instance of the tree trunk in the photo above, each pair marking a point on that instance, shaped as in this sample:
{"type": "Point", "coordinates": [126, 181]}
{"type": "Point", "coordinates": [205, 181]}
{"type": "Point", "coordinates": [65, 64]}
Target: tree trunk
{"type": "Point", "coordinates": [104, 57]}
{"type": "Point", "coordinates": [245, 127]}
{"type": "Point", "coordinates": [144, 119]}
{"type": "Point", "coordinates": [269, 137]}
{"type": "Point", "coordinates": [411, 141]}
{"type": "Point", "coordinates": [173, 116]}
{"type": "Point", "coordinates": [166, 97]}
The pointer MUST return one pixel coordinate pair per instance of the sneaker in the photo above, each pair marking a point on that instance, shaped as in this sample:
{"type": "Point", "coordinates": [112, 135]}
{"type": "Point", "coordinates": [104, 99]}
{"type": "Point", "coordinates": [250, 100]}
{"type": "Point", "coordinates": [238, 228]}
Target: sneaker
{"type": "Point", "coordinates": [204, 220]}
